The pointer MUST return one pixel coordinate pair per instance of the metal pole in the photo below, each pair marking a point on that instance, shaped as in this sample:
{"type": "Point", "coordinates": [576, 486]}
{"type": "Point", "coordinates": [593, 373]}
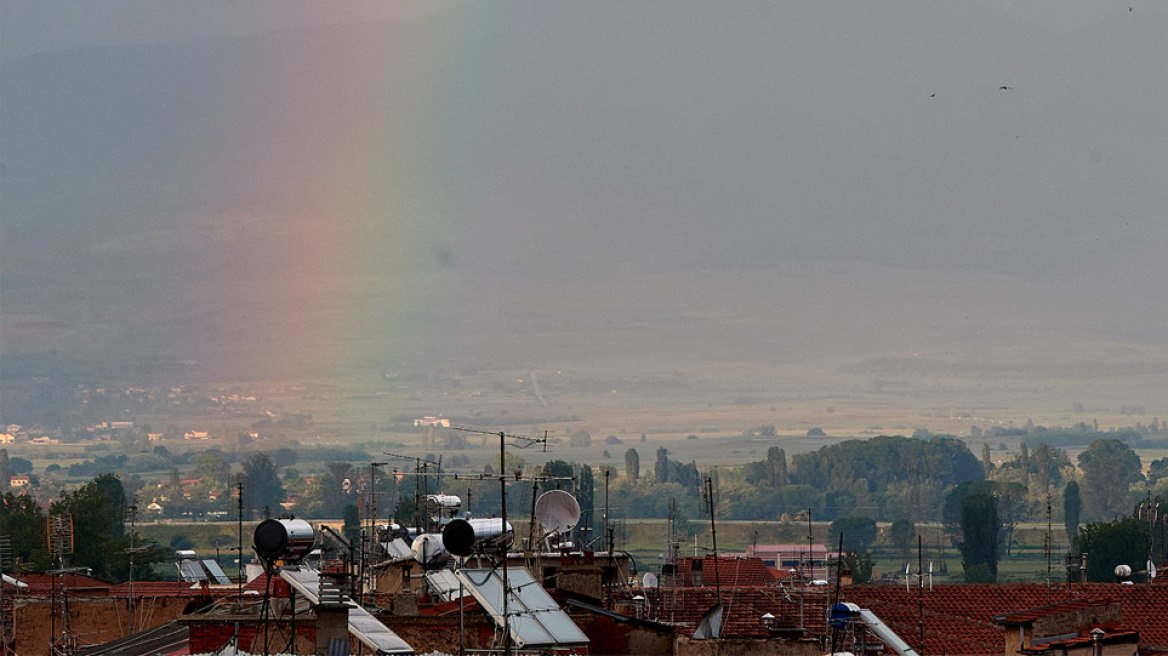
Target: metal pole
{"type": "Point", "coordinates": [130, 601]}
{"type": "Point", "coordinates": [239, 549]}
{"type": "Point", "coordinates": [921, 592]}
{"type": "Point", "coordinates": [461, 621]}
{"type": "Point", "coordinates": [503, 507]}
{"type": "Point", "coordinates": [714, 536]}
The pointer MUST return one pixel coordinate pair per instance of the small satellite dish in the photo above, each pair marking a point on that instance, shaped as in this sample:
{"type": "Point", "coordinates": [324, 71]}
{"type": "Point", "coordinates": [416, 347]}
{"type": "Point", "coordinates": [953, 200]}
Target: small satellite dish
{"type": "Point", "coordinates": [459, 537]}
{"type": "Point", "coordinates": [346, 485]}
{"type": "Point", "coordinates": [557, 511]}
{"type": "Point", "coordinates": [1151, 570]}
{"type": "Point", "coordinates": [1123, 571]}
{"type": "Point", "coordinates": [649, 580]}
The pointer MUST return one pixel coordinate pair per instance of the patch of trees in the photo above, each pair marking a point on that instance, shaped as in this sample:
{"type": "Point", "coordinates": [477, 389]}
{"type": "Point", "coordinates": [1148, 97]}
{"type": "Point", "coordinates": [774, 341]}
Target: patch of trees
{"type": "Point", "coordinates": [672, 471]}
{"type": "Point", "coordinates": [1122, 541]}
{"type": "Point", "coordinates": [887, 459]}
{"type": "Point", "coordinates": [100, 540]}
{"type": "Point", "coordinates": [1109, 468]}
{"type": "Point", "coordinates": [1081, 434]}
{"type": "Point", "coordinates": [100, 464]}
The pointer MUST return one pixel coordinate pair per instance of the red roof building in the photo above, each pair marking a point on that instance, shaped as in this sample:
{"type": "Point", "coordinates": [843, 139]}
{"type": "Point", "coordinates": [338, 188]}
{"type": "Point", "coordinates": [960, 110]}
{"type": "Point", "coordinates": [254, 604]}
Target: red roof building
{"type": "Point", "coordinates": [974, 619]}
{"type": "Point", "coordinates": [729, 571]}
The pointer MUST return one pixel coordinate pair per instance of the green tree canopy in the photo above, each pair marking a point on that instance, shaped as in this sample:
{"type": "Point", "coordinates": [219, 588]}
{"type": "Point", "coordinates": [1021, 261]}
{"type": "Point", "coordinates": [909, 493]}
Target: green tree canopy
{"type": "Point", "coordinates": [1107, 544]}
{"type": "Point", "coordinates": [858, 532]}
{"type": "Point", "coordinates": [25, 524]}
{"type": "Point", "coordinates": [263, 491]}
{"type": "Point", "coordinates": [885, 459]}
{"type": "Point", "coordinates": [1072, 508]}
{"type": "Point", "coordinates": [632, 466]}
{"type": "Point", "coordinates": [979, 546]}
{"type": "Point", "coordinates": [902, 533]}
{"type": "Point", "coordinates": [100, 539]}
{"type": "Point", "coordinates": [1109, 468]}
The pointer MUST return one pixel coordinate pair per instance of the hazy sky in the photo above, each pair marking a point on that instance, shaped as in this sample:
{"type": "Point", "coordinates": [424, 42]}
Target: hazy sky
{"type": "Point", "coordinates": [531, 181]}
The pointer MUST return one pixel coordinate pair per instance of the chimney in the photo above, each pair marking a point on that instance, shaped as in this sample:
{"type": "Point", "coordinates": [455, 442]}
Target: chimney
{"type": "Point", "coordinates": [669, 575]}
{"type": "Point", "coordinates": [332, 615]}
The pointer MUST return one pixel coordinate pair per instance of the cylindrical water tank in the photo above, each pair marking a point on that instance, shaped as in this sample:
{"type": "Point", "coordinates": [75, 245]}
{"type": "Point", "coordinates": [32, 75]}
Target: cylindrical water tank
{"type": "Point", "coordinates": [437, 504]}
{"type": "Point", "coordinates": [463, 537]}
{"type": "Point", "coordinates": [429, 550]}
{"type": "Point", "coordinates": [288, 539]}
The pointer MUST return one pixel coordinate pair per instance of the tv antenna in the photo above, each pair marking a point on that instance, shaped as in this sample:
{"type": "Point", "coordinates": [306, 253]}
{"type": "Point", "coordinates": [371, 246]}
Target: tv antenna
{"type": "Point", "coordinates": [526, 443]}
{"type": "Point", "coordinates": [422, 471]}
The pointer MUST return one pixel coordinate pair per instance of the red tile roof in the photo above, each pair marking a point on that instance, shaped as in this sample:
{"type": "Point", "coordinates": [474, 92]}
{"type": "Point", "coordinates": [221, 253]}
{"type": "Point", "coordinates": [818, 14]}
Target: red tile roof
{"type": "Point", "coordinates": [1030, 615]}
{"type": "Point", "coordinates": [164, 589]}
{"type": "Point", "coordinates": [740, 571]}
{"type": "Point", "coordinates": [45, 584]}
{"type": "Point", "coordinates": [743, 609]}
{"type": "Point", "coordinates": [1084, 639]}
{"type": "Point", "coordinates": [959, 619]}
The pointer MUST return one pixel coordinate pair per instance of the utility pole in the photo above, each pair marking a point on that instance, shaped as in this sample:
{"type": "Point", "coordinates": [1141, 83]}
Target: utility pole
{"type": "Point", "coordinates": [239, 550]}
{"type": "Point", "coordinates": [710, 505]}
{"type": "Point", "coordinates": [373, 511]}
{"type": "Point", "coordinates": [132, 510]}
{"type": "Point", "coordinates": [503, 507]}
{"type": "Point", "coordinates": [503, 436]}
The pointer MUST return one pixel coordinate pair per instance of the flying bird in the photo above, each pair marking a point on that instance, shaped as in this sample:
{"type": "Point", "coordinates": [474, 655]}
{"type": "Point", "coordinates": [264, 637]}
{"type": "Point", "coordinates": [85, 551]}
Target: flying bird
{"type": "Point", "coordinates": [1004, 88]}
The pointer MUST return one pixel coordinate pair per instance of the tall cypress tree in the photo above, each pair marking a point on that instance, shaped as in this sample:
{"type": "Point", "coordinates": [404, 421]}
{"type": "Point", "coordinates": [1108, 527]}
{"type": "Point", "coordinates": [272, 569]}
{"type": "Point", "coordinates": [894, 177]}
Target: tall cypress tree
{"type": "Point", "coordinates": [979, 548]}
{"type": "Point", "coordinates": [1072, 508]}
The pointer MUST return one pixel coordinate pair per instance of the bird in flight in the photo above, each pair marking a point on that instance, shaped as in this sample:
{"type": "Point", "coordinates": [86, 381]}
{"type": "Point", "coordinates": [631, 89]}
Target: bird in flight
{"type": "Point", "coordinates": [1005, 88]}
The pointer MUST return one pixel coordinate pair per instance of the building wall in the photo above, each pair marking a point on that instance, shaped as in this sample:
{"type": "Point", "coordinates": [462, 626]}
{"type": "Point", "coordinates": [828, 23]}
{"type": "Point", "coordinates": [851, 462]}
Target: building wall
{"type": "Point", "coordinates": [608, 636]}
{"type": "Point", "coordinates": [684, 646]}
{"type": "Point", "coordinates": [92, 620]}
{"type": "Point", "coordinates": [1072, 621]}
{"type": "Point", "coordinates": [429, 634]}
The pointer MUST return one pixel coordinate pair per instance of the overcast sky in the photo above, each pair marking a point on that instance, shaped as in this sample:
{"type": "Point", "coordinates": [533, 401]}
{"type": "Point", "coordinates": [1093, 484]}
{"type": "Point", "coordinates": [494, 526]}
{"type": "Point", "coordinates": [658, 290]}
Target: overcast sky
{"type": "Point", "coordinates": [741, 181]}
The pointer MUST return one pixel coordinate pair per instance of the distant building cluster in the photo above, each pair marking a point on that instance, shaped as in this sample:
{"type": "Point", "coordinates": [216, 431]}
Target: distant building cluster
{"type": "Point", "coordinates": [433, 421]}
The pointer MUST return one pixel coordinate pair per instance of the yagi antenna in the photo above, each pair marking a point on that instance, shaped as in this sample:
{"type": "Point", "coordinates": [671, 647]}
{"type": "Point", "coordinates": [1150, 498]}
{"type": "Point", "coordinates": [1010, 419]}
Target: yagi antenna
{"type": "Point", "coordinates": [508, 436]}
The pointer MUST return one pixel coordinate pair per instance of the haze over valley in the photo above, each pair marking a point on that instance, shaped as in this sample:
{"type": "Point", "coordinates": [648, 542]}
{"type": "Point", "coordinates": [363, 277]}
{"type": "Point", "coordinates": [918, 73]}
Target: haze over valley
{"type": "Point", "coordinates": [916, 216]}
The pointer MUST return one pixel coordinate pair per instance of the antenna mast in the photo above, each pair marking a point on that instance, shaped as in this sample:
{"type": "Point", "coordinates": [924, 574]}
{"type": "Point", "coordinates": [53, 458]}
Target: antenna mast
{"type": "Point", "coordinates": [711, 505]}
{"type": "Point", "coordinates": [132, 510]}
{"type": "Point", "coordinates": [503, 437]}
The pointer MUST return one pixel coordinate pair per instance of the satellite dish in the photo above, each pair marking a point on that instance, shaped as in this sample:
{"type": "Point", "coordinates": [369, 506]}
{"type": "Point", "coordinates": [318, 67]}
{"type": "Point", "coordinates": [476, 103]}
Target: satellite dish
{"type": "Point", "coordinates": [649, 580]}
{"type": "Point", "coordinates": [459, 537]}
{"type": "Point", "coordinates": [1151, 570]}
{"type": "Point", "coordinates": [557, 511]}
{"type": "Point", "coordinates": [1123, 571]}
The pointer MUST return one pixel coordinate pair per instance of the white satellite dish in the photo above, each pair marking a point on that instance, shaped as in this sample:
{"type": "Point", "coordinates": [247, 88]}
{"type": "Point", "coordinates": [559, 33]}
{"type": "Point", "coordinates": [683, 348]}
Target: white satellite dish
{"type": "Point", "coordinates": [557, 511]}
{"type": "Point", "coordinates": [1151, 570]}
{"type": "Point", "coordinates": [649, 580]}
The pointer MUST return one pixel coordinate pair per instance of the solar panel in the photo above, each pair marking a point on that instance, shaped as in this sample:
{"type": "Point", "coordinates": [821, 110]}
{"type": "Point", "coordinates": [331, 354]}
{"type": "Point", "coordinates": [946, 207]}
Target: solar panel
{"type": "Point", "coordinates": [216, 572]}
{"type": "Point", "coordinates": [445, 585]}
{"type": "Point", "coordinates": [191, 571]}
{"type": "Point", "coordinates": [536, 620]}
{"type": "Point", "coordinates": [366, 628]}
{"type": "Point", "coordinates": [397, 549]}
